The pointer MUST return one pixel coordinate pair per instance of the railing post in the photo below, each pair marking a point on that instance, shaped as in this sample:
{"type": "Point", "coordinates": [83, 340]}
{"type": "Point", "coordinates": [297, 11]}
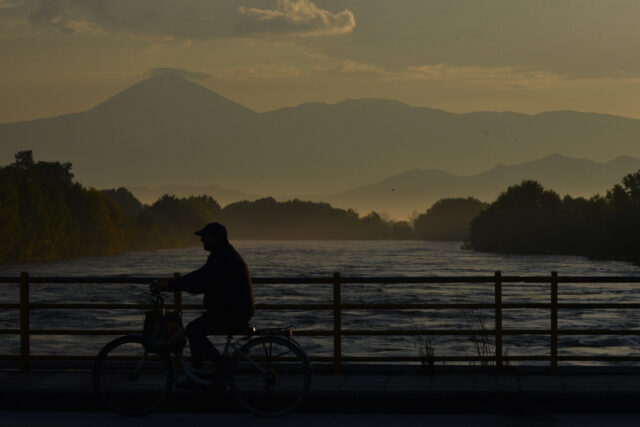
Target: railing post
{"type": "Point", "coordinates": [24, 322]}
{"type": "Point", "coordinates": [177, 297]}
{"type": "Point", "coordinates": [498, 318]}
{"type": "Point", "coordinates": [554, 321]}
{"type": "Point", "coordinates": [337, 324]}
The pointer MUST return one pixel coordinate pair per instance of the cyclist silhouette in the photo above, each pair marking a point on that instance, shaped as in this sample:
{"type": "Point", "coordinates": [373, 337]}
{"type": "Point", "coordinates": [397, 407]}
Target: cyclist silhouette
{"type": "Point", "coordinates": [228, 296]}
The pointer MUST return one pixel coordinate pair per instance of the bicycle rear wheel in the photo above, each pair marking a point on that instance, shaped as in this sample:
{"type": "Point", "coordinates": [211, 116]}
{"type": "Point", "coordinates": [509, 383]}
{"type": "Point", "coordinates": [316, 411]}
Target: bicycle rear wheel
{"type": "Point", "coordinates": [272, 376]}
{"type": "Point", "coordinates": [130, 380]}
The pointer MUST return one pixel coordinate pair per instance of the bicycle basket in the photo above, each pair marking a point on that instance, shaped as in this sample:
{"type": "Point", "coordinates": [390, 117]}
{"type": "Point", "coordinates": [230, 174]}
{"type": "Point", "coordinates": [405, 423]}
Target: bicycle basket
{"type": "Point", "coordinates": [163, 331]}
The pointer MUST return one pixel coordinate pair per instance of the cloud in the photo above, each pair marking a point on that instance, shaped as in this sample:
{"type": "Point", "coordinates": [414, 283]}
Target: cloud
{"type": "Point", "coordinates": [10, 3]}
{"type": "Point", "coordinates": [295, 16]}
{"type": "Point", "coordinates": [479, 76]}
{"type": "Point", "coordinates": [179, 72]}
{"type": "Point", "coordinates": [573, 39]}
{"type": "Point", "coordinates": [187, 19]}
{"type": "Point", "coordinates": [33, 17]}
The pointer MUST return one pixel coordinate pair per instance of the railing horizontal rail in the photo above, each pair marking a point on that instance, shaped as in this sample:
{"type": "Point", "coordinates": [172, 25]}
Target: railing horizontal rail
{"type": "Point", "coordinates": [93, 306]}
{"type": "Point", "coordinates": [347, 332]}
{"type": "Point", "coordinates": [80, 280]}
{"type": "Point", "coordinates": [598, 279]}
{"type": "Point", "coordinates": [415, 332]}
{"type": "Point", "coordinates": [329, 359]}
{"type": "Point", "coordinates": [412, 280]}
{"type": "Point", "coordinates": [414, 306]}
{"type": "Point", "coordinates": [598, 332]}
{"type": "Point", "coordinates": [85, 331]}
{"type": "Point", "coordinates": [490, 279]}
{"type": "Point", "coordinates": [129, 332]}
{"type": "Point", "coordinates": [572, 331]}
{"type": "Point", "coordinates": [598, 305]}
{"type": "Point", "coordinates": [348, 306]}
{"type": "Point", "coordinates": [9, 306]}
{"type": "Point", "coordinates": [149, 280]}
{"type": "Point", "coordinates": [344, 280]}
{"type": "Point", "coordinates": [114, 306]}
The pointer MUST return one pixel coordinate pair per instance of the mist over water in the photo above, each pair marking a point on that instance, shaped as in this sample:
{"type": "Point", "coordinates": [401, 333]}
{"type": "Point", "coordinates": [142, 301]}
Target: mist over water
{"type": "Point", "coordinates": [350, 258]}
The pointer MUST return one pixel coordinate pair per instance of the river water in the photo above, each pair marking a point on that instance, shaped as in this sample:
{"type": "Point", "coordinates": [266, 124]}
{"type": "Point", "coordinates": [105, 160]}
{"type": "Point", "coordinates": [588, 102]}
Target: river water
{"type": "Point", "coordinates": [350, 258]}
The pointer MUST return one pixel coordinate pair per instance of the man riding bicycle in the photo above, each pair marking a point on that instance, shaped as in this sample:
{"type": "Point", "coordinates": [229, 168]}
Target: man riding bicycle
{"type": "Point", "coordinates": [228, 296]}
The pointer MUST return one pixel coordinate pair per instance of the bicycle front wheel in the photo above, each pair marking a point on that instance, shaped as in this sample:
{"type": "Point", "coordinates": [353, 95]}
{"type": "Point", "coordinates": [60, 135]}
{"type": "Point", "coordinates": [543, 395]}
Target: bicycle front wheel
{"type": "Point", "coordinates": [272, 376]}
{"type": "Point", "coordinates": [130, 380]}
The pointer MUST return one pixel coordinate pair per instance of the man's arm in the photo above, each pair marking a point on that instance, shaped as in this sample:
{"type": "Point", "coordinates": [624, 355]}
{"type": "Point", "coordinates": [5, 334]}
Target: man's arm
{"type": "Point", "coordinates": [196, 281]}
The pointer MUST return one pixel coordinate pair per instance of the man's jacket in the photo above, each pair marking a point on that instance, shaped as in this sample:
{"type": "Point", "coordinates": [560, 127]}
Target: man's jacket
{"type": "Point", "coordinates": [225, 282]}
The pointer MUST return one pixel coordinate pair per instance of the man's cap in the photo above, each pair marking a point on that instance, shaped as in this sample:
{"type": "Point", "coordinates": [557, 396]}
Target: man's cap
{"type": "Point", "coordinates": [213, 229]}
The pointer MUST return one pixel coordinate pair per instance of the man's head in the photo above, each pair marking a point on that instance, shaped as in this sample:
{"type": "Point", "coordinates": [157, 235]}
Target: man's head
{"type": "Point", "coordinates": [213, 235]}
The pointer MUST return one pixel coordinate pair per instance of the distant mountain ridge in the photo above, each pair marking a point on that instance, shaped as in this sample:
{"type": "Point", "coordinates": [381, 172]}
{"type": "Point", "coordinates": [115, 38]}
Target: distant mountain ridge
{"type": "Point", "coordinates": [167, 129]}
{"type": "Point", "coordinates": [223, 196]}
{"type": "Point", "coordinates": [418, 189]}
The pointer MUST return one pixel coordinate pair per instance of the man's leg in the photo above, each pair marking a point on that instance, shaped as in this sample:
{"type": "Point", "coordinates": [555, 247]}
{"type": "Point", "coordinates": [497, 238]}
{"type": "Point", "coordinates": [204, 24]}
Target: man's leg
{"type": "Point", "coordinates": [197, 331]}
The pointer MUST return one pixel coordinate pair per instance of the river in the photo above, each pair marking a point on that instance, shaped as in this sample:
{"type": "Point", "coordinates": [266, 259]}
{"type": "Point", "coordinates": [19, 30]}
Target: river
{"type": "Point", "coordinates": [350, 258]}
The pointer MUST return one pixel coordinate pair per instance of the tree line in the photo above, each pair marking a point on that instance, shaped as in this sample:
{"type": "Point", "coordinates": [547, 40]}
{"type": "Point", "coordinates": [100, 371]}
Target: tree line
{"type": "Point", "coordinates": [45, 215]}
{"type": "Point", "coordinates": [529, 219]}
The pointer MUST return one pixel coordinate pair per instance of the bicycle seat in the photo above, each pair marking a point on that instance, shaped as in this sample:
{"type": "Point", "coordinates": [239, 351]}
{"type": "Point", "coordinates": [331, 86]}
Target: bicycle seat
{"type": "Point", "coordinates": [288, 331]}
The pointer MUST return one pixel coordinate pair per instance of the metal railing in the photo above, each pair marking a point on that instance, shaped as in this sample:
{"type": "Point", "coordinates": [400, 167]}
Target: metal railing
{"type": "Point", "coordinates": [337, 306]}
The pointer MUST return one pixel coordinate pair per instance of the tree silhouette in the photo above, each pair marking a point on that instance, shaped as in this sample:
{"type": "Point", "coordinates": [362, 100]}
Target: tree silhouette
{"type": "Point", "coordinates": [521, 220]}
{"type": "Point", "coordinates": [529, 219]}
{"type": "Point", "coordinates": [45, 215]}
{"type": "Point", "coordinates": [448, 219]}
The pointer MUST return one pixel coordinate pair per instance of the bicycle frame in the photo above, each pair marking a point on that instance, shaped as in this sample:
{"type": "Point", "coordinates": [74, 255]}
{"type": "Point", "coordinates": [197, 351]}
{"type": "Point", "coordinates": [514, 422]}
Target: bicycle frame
{"type": "Point", "coordinates": [230, 347]}
{"type": "Point", "coordinates": [196, 374]}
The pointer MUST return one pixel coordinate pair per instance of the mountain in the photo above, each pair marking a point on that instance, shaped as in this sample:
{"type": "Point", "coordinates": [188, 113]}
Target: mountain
{"type": "Point", "coordinates": [169, 97]}
{"type": "Point", "coordinates": [400, 194]}
{"type": "Point", "coordinates": [150, 134]}
{"type": "Point", "coordinates": [166, 129]}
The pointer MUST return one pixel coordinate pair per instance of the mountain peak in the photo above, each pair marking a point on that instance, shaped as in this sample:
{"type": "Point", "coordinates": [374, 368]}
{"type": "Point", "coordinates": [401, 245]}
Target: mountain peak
{"type": "Point", "coordinates": [168, 91]}
{"type": "Point", "coordinates": [554, 159]}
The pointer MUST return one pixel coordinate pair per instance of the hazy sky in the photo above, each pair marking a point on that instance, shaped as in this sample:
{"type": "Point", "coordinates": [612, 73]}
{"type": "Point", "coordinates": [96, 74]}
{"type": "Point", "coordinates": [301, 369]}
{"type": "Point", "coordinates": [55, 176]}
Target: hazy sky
{"type": "Point", "coordinates": [64, 56]}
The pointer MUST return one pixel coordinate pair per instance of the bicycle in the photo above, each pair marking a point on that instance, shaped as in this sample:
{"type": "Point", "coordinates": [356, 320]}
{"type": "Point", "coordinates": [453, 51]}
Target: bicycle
{"type": "Point", "coordinates": [270, 372]}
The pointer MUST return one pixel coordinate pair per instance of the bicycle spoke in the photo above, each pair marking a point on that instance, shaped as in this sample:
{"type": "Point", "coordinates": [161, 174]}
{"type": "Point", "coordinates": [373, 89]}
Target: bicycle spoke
{"type": "Point", "coordinates": [253, 363]}
{"type": "Point", "coordinates": [130, 381]}
{"type": "Point", "coordinates": [281, 354]}
{"type": "Point", "coordinates": [265, 382]}
{"type": "Point", "coordinates": [139, 365]}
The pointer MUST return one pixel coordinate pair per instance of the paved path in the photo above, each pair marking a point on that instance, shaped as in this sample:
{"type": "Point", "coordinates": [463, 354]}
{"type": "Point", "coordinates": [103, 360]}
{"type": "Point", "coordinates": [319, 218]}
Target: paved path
{"type": "Point", "coordinates": [438, 393]}
{"type": "Point", "coordinates": [98, 419]}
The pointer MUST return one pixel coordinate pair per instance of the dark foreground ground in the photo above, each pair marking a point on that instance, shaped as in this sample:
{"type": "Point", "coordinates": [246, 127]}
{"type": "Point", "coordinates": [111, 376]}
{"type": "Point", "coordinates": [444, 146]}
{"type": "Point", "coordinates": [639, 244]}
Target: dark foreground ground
{"type": "Point", "coordinates": [471, 392]}
{"type": "Point", "coordinates": [208, 419]}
